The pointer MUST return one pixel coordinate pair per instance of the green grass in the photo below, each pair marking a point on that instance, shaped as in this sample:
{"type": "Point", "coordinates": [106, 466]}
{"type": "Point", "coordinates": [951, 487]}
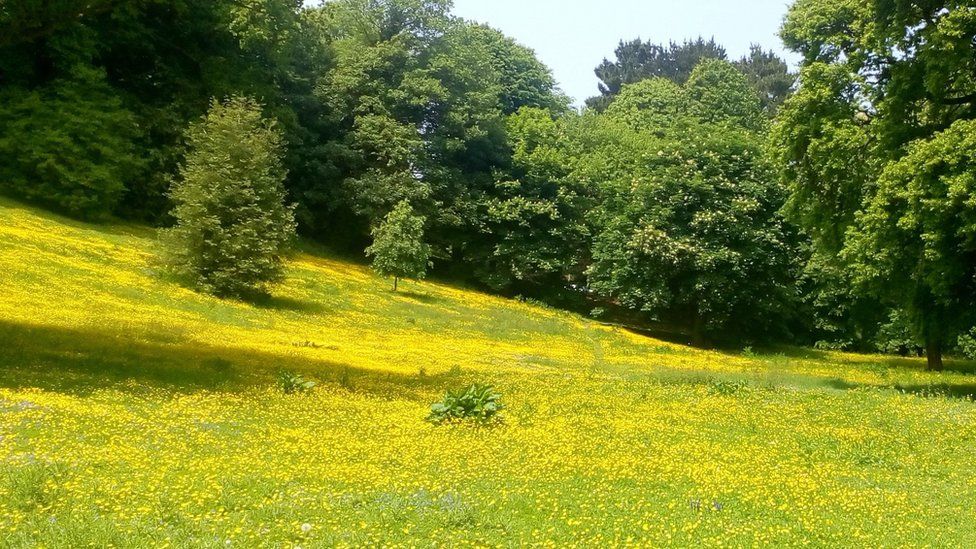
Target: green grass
{"type": "Point", "coordinates": [135, 413]}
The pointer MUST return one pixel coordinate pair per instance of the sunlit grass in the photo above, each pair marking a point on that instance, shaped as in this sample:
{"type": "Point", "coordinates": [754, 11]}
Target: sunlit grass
{"type": "Point", "coordinates": [134, 412]}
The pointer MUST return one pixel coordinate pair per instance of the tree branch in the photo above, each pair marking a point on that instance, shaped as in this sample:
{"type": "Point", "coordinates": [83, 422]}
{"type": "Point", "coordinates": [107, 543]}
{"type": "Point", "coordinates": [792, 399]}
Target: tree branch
{"type": "Point", "coordinates": [965, 99]}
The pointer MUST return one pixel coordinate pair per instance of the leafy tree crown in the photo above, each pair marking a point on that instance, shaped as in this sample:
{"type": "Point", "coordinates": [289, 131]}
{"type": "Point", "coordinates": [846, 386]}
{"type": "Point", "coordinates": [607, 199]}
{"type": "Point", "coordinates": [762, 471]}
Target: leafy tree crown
{"type": "Point", "coordinates": [232, 222]}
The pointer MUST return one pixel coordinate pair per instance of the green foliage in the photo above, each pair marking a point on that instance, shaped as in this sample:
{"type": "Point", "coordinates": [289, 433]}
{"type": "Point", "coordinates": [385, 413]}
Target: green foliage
{"type": "Point", "coordinates": [534, 228]}
{"type": "Point", "coordinates": [769, 75]}
{"type": "Point", "coordinates": [689, 228]}
{"type": "Point", "coordinates": [68, 145]}
{"type": "Point", "coordinates": [655, 105]}
{"type": "Point", "coordinates": [898, 337]}
{"type": "Point", "coordinates": [524, 80]}
{"type": "Point", "coordinates": [727, 387]}
{"type": "Point", "coordinates": [967, 344]}
{"type": "Point", "coordinates": [718, 93]}
{"type": "Point", "coordinates": [837, 318]}
{"type": "Point", "coordinates": [398, 248]}
{"type": "Point", "coordinates": [873, 149]}
{"type": "Point", "coordinates": [715, 93]}
{"type": "Point", "coordinates": [162, 61]}
{"type": "Point", "coordinates": [477, 403]}
{"type": "Point", "coordinates": [291, 383]}
{"type": "Point", "coordinates": [232, 224]}
{"type": "Point", "coordinates": [636, 61]}
{"type": "Point", "coordinates": [822, 147]}
{"type": "Point", "coordinates": [421, 99]}
{"type": "Point", "coordinates": [914, 244]}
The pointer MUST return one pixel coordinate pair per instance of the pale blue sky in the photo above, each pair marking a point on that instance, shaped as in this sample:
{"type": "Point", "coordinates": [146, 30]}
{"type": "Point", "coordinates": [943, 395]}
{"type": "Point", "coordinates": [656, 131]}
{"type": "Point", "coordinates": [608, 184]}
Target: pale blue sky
{"type": "Point", "coordinates": [573, 36]}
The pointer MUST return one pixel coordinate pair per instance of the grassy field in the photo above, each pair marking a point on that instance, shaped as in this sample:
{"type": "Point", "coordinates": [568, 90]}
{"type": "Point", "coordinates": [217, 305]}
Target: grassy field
{"type": "Point", "coordinates": [136, 413]}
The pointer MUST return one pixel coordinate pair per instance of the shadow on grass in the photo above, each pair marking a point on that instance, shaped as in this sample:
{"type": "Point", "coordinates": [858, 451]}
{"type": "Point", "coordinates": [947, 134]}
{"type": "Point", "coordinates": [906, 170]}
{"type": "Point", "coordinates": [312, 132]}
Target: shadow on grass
{"type": "Point", "coordinates": [965, 391]}
{"type": "Point", "coordinates": [661, 333]}
{"type": "Point", "coordinates": [415, 296]}
{"type": "Point", "coordinates": [961, 390]}
{"type": "Point", "coordinates": [792, 352]}
{"type": "Point", "coordinates": [80, 361]}
{"type": "Point", "coordinates": [952, 365]}
{"type": "Point", "coordinates": [279, 303]}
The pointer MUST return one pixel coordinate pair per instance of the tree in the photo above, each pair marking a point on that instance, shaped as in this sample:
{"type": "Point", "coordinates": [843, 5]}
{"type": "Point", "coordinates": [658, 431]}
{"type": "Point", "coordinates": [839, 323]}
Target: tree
{"type": "Point", "coordinates": [157, 63]}
{"type": "Point", "coordinates": [69, 146]}
{"type": "Point", "coordinates": [636, 60]}
{"type": "Point", "coordinates": [822, 149]}
{"type": "Point", "coordinates": [535, 233]}
{"type": "Point", "coordinates": [914, 243]}
{"type": "Point", "coordinates": [525, 81]}
{"type": "Point", "coordinates": [232, 225]}
{"type": "Point", "coordinates": [398, 248]}
{"type": "Point", "coordinates": [719, 94]}
{"type": "Point", "coordinates": [880, 82]}
{"type": "Point", "coordinates": [656, 106]}
{"type": "Point", "coordinates": [769, 75]}
{"type": "Point", "coordinates": [698, 238]}
{"type": "Point", "coordinates": [692, 230]}
{"type": "Point", "coordinates": [421, 99]}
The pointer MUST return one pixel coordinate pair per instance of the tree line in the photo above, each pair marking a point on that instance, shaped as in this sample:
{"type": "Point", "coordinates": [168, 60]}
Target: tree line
{"type": "Point", "coordinates": [732, 198]}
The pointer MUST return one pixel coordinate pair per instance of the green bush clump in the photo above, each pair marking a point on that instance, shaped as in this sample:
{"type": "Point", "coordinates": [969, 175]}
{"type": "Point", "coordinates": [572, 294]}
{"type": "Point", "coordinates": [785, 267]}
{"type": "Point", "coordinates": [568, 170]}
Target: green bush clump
{"type": "Point", "coordinates": [726, 387]}
{"type": "Point", "coordinates": [967, 344]}
{"type": "Point", "coordinates": [232, 224]}
{"type": "Point", "coordinates": [70, 145]}
{"type": "Point", "coordinates": [477, 403]}
{"type": "Point", "coordinates": [291, 383]}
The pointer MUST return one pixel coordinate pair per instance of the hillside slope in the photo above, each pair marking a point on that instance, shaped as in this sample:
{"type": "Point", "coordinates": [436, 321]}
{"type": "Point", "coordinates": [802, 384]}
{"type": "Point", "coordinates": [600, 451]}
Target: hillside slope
{"type": "Point", "coordinates": [134, 411]}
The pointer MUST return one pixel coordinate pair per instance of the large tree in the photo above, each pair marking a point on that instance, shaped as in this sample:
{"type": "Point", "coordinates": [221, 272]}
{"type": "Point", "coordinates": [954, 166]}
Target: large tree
{"type": "Point", "coordinates": [914, 242]}
{"type": "Point", "coordinates": [534, 232]}
{"type": "Point", "coordinates": [637, 60]}
{"type": "Point", "coordinates": [769, 75]}
{"type": "Point", "coordinates": [882, 81]}
{"type": "Point", "coordinates": [70, 146]}
{"type": "Point", "coordinates": [693, 233]}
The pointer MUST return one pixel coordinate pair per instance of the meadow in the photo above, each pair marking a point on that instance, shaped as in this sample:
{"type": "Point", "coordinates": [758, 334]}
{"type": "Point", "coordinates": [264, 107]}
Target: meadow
{"type": "Point", "coordinates": [135, 412]}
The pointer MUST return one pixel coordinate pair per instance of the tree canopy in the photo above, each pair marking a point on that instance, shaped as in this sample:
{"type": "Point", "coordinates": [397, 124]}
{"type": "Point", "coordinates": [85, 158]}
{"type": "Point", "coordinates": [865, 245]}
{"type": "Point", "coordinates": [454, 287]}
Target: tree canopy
{"type": "Point", "coordinates": [886, 89]}
{"type": "Point", "coordinates": [638, 60]}
{"type": "Point", "coordinates": [693, 233]}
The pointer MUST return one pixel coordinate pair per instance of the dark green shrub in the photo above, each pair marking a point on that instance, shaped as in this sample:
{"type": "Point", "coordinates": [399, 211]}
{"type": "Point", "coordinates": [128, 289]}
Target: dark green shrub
{"type": "Point", "coordinates": [232, 223]}
{"type": "Point", "coordinates": [897, 337]}
{"type": "Point", "coordinates": [478, 403]}
{"type": "Point", "coordinates": [70, 145]}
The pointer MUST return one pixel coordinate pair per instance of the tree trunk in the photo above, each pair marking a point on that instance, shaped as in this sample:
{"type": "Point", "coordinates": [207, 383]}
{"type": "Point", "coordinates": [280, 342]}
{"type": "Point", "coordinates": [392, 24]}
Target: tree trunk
{"type": "Point", "coordinates": [396, 280]}
{"type": "Point", "coordinates": [698, 330]}
{"type": "Point", "coordinates": [933, 353]}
